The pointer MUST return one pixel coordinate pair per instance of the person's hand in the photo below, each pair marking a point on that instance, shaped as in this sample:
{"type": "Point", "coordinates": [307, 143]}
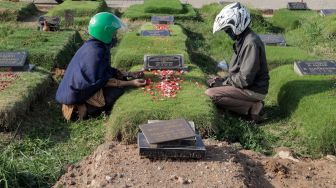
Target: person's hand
{"type": "Point", "coordinates": [138, 82]}
{"type": "Point", "coordinates": [216, 81]}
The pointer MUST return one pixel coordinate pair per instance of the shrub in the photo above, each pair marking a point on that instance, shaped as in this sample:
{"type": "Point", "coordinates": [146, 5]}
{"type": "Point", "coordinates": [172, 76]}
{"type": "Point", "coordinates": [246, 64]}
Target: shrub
{"type": "Point", "coordinates": [45, 49]}
{"type": "Point", "coordinates": [16, 11]}
{"type": "Point", "coordinates": [309, 102]}
{"type": "Point", "coordinates": [133, 47]}
{"type": "Point", "coordinates": [163, 6]}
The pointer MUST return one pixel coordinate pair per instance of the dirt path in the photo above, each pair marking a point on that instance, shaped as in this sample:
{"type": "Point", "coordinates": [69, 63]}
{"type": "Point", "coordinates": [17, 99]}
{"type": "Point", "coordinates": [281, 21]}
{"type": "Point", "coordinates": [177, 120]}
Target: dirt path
{"type": "Point", "coordinates": [115, 165]}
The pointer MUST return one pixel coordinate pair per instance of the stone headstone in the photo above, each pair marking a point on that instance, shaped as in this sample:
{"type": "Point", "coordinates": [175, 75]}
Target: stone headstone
{"type": "Point", "coordinates": [327, 12]}
{"type": "Point", "coordinates": [297, 6]}
{"type": "Point", "coordinates": [155, 33]}
{"type": "Point", "coordinates": [273, 40]}
{"type": "Point", "coordinates": [166, 131]}
{"type": "Point", "coordinates": [49, 2]}
{"type": "Point", "coordinates": [315, 67]}
{"type": "Point", "coordinates": [157, 62]}
{"type": "Point", "coordinates": [196, 151]}
{"type": "Point", "coordinates": [68, 18]}
{"type": "Point", "coordinates": [53, 22]}
{"type": "Point", "coordinates": [162, 20]}
{"type": "Point", "coordinates": [13, 61]}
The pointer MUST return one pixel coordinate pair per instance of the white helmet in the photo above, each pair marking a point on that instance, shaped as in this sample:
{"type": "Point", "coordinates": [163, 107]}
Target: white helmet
{"type": "Point", "coordinates": [233, 15]}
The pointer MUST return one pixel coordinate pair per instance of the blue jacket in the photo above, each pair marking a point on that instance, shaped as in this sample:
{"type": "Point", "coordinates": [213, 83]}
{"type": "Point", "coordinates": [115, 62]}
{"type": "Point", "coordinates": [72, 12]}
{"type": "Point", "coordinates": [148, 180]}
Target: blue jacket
{"type": "Point", "coordinates": [88, 71]}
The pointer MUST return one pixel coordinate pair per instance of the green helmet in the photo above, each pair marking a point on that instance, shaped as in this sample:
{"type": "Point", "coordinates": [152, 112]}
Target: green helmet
{"type": "Point", "coordinates": [103, 25]}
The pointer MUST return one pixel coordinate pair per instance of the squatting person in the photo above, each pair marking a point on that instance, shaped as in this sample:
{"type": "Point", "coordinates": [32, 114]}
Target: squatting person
{"type": "Point", "coordinates": [90, 85]}
{"type": "Point", "coordinates": [246, 85]}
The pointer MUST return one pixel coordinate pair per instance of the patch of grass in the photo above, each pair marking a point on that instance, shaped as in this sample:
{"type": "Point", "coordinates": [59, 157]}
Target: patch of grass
{"type": "Point", "coordinates": [83, 10]}
{"type": "Point", "coordinates": [133, 47]}
{"type": "Point", "coordinates": [15, 11]}
{"type": "Point", "coordinates": [309, 103]}
{"type": "Point", "coordinates": [45, 49]}
{"type": "Point", "coordinates": [47, 145]}
{"type": "Point", "coordinates": [289, 19]}
{"type": "Point", "coordinates": [163, 6]}
{"type": "Point", "coordinates": [18, 96]}
{"type": "Point", "coordinates": [136, 107]}
{"type": "Point", "coordinates": [137, 12]}
{"type": "Point", "coordinates": [277, 55]}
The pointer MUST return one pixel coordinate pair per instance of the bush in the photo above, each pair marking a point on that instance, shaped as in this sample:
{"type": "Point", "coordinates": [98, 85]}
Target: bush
{"type": "Point", "coordinates": [163, 6]}
{"type": "Point", "coordinates": [137, 12]}
{"type": "Point", "coordinates": [135, 108]}
{"type": "Point", "coordinates": [16, 11]}
{"type": "Point", "coordinates": [133, 47]}
{"type": "Point", "coordinates": [45, 49]}
{"type": "Point", "coordinates": [309, 102]}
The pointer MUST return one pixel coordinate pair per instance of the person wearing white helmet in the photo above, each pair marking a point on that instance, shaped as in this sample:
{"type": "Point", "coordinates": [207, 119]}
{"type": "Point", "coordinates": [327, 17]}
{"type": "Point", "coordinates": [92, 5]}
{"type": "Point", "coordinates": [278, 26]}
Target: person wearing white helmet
{"type": "Point", "coordinates": [246, 85]}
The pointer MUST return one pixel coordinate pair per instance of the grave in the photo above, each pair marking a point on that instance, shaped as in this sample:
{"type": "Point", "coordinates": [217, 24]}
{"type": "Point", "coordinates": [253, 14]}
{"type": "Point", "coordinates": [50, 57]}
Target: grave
{"type": "Point", "coordinates": [170, 139]}
{"type": "Point", "coordinates": [297, 6]}
{"type": "Point", "coordinates": [14, 61]}
{"type": "Point", "coordinates": [53, 22]}
{"type": "Point", "coordinates": [155, 33]}
{"type": "Point", "coordinates": [274, 40]}
{"type": "Point", "coordinates": [315, 67]}
{"type": "Point", "coordinates": [162, 20]}
{"type": "Point", "coordinates": [158, 62]}
{"type": "Point", "coordinates": [327, 12]}
{"type": "Point", "coordinates": [68, 18]}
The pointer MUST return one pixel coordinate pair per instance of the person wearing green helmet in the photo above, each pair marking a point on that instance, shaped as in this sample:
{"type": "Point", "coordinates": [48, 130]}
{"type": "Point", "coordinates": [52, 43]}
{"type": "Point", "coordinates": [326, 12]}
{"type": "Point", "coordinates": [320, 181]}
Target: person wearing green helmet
{"type": "Point", "coordinates": [90, 85]}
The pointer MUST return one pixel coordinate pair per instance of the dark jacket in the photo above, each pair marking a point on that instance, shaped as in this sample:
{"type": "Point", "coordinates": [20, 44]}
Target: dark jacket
{"type": "Point", "coordinates": [88, 71]}
{"type": "Point", "coordinates": [248, 66]}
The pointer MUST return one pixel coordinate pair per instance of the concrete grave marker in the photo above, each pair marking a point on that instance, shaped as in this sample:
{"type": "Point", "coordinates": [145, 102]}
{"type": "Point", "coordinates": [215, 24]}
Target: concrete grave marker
{"type": "Point", "coordinates": [327, 12]}
{"type": "Point", "coordinates": [14, 61]}
{"type": "Point", "coordinates": [158, 62]}
{"type": "Point", "coordinates": [315, 67]}
{"type": "Point", "coordinates": [297, 6]}
{"type": "Point", "coordinates": [162, 20]}
{"type": "Point", "coordinates": [176, 142]}
{"type": "Point", "coordinates": [68, 18]}
{"type": "Point", "coordinates": [155, 33]}
{"type": "Point", "coordinates": [273, 40]}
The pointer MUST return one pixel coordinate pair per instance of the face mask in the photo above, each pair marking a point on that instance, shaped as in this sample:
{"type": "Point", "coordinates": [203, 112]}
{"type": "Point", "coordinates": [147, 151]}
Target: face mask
{"type": "Point", "coordinates": [231, 34]}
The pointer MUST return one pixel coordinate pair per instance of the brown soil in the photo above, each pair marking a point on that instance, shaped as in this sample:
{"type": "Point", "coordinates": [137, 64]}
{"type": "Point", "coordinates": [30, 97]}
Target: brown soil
{"type": "Point", "coordinates": [116, 165]}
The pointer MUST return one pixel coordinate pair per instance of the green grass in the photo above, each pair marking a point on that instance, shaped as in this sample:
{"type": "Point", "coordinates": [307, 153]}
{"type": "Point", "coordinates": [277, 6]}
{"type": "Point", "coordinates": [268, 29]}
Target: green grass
{"type": "Point", "coordinates": [15, 11]}
{"type": "Point", "coordinates": [83, 10]}
{"type": "Point", "coordinates": [135, 108]}
{"type": "Point", "coordinates": [139, 46]}
{"type": "Point", "coordinates": [277, 55]}
{"type": "Point", "coordinates": [289, 19]}
{"type": "Point", "coordinates": [47, 145]}
{"type": "Point", "coordinates": [137, 12]}
{"type": "Point", "coordinates": [45, 49]}
{"type": "Point", "coordinates": [163, 6]}
{"type": "Point", "coordinates": [18, 96]}
{"type": "Point", "coordinates": [308, 102]}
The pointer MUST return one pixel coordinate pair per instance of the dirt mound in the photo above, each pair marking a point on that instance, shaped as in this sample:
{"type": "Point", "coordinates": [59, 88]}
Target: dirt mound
{"type": "Point", "coordinates": [116, 165]}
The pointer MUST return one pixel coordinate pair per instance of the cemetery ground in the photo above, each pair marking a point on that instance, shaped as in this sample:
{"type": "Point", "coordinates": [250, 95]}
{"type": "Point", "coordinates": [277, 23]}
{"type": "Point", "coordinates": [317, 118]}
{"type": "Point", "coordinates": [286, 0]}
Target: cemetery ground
{"type": "Point", "coordinates": [40, 148]}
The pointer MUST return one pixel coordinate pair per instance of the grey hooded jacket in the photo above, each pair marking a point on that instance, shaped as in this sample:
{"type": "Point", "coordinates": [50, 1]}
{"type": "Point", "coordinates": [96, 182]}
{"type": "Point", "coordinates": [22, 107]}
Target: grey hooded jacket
{"type": "Point", "coordinates": [248, 67]}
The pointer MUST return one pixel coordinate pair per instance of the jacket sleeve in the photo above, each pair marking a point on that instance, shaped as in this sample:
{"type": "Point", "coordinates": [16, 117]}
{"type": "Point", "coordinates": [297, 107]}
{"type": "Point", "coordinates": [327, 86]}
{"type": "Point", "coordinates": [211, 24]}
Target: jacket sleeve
{"type": "Point", "coordinates": [250, 65]}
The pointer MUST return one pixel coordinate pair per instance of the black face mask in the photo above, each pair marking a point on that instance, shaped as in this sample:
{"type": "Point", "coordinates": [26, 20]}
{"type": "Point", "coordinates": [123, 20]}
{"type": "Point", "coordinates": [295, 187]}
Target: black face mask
{"type": "Point", "coordinates": [231, 34]}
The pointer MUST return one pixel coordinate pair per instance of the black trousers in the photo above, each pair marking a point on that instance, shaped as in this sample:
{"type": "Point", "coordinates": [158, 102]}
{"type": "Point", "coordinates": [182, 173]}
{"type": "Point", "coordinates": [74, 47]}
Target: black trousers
{"type": "Point", "coordinates": [111, 94]}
